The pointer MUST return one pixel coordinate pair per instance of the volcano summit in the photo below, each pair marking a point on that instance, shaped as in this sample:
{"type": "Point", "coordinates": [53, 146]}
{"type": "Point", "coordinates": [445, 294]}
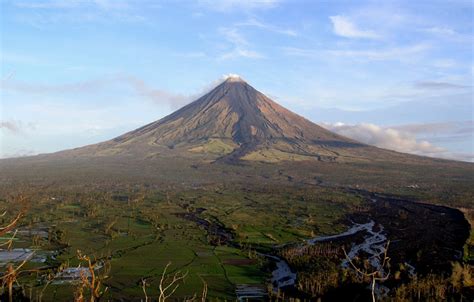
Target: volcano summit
{"type": "Point", "coordinates": [235, 122]}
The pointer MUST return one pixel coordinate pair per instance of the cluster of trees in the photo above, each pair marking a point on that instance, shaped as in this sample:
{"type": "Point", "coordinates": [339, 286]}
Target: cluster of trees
{"type": "Point", "coordinates": [434, 287]}
{"type": "Point", "coordinates": [320, 276]}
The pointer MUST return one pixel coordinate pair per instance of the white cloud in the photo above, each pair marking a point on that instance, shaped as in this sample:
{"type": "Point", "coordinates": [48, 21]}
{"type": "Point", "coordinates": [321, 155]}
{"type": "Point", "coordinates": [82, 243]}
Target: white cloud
{"type": "Point", "coordinates": [444, 63]}
{"type": "Point", "coordinates": [11, 126]}
{"type": "Point", "coordinates": [18, 153]}
{"type": "Point", "coordinates": [213, 84]}
{"type": "Point", "coordinates": [383, 137]}
{"type": "Point", "coordinates": [17, 58]}
{"type": "Point", "coordinates": [453, 133]}
{"type": "Point", "coordinates": [192, 54]}
{"type": "Point", "coordinates": [302, 52]}
{"type": "Point", "coordinates": [47, 4]}
{"type": "Point", "coordinates": [438, 85]}
{"type": "Point", "coordinates": [268, 27]}
{"type": "Point", "coordinates": [94, 86]}
{"type": "Point", "coordinates": [62, 125]}
{"type": "Point", "coordinates": [441, 31]}
{"type": "Point", "coordinates": [232, 5]}
{"type": "Point", "coordinates": [16, 127]}
{"type": "Point", "coordinates": [397, 53]}
{"type": "Point", "coordinates": [42, 14]}
{"type": "Point", "coordinates": [112, 4]}
{"type": "Point", "coordinates": [239, 45]}
{"type": "Point", "coordinates": [241, 53]}
{"type": "Point", "coordinates": [400, 139]}
{"type": "Point", "coordinates": [232, 77]}
{"type": "Point", "coordinates": [88, 86]}
{"type": "Point", "coordinates": [343, 27]}
{"type": "Point", "coordinates": [137, 86]}
{"type": "Point", "coordinates": [464, 127]}
{"type": "Point", "coordinates": [233, 36]}
{"type": "Point", "coordinates": [156, 95]}
{"type": "Point", "coordinates": [72, 4]}
{"type": "Point", "coordinates": [448, 34]}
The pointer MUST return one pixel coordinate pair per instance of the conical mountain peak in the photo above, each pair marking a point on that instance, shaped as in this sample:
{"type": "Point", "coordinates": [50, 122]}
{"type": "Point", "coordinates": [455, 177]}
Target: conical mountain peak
{"type": "Point", "coordinates": [233, 120]}
{"type": "Point", "coordinates": [234, 81]}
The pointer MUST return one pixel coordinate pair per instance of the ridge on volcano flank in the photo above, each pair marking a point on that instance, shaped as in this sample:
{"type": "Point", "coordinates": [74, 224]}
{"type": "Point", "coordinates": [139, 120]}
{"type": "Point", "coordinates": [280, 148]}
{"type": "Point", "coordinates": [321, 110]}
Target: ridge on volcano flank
{"type": "Point", "coordinates": [233, 121]}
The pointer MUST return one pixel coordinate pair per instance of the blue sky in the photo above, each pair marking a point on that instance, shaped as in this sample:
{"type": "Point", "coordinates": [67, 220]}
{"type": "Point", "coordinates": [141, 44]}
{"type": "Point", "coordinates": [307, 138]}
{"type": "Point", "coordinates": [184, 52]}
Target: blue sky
{"type": "Point", "coordinates": [396, 74]}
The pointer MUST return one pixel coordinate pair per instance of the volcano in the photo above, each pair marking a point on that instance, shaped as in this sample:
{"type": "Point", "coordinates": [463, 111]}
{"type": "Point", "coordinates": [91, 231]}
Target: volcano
{"type": "Point", "coordinates": [234, 133]}
{"type": "Point", "coordinates": [231, 123]}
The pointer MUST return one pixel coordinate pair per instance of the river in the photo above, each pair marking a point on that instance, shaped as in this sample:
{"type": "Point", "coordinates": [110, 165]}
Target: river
{"type": "Point", "coordinates": [374, 245]}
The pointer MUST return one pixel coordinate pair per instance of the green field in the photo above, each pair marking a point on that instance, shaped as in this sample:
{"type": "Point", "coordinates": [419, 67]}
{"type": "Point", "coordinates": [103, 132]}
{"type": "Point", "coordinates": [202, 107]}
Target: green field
{"type": "Point", "coordinates": [138, 233]}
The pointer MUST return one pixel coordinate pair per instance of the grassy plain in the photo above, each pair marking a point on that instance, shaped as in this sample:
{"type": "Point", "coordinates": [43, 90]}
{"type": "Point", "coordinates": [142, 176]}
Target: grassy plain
{"type": "Point", "coordinates": [139, 232]}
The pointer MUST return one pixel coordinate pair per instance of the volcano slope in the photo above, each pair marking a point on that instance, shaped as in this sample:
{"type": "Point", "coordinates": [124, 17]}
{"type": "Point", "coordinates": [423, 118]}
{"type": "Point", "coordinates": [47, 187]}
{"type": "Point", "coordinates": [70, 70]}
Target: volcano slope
{"type": "Point", "coordinates": [251, 174]}
{"type": "Point", "coordinates": [235, 134]}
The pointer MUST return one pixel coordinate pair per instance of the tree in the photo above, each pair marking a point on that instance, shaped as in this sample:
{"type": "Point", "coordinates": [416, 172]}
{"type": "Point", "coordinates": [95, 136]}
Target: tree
{"type": "Point", "coordinates": [90, 280]}
{"type": "Point", "coordinates": [10, 276]}
{"type": "Point", "coordinates": [374, 275]}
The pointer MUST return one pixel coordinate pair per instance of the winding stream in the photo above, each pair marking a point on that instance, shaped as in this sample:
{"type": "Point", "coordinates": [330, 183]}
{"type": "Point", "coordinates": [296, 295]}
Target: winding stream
{"type": "Point", "coordinates": [373, 245]}
{"type": "Point", "coordinates": [282, 276]}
